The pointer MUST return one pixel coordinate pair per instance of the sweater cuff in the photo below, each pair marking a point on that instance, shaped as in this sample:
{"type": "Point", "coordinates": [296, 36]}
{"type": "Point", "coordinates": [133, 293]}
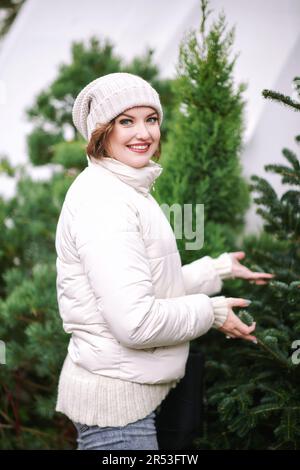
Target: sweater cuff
{"type": "Point", "coordinates": [223, 265]}
{"type": "Point", "coordinates": [220, 308]}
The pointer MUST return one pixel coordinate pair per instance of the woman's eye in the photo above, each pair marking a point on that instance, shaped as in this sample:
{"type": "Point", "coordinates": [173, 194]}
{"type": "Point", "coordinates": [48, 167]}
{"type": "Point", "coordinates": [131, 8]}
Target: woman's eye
{"type": "Point", "coordinates": [123, 121]}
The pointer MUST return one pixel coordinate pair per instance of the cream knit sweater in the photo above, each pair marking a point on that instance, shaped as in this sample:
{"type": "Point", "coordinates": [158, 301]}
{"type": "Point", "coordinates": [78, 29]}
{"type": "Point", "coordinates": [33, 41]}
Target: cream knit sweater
{"type": "Point", "coordinates": [94, 399]}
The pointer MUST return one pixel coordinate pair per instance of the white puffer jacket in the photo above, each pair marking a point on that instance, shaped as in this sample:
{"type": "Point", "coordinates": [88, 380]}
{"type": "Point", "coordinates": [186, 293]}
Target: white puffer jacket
{"type": "Point", "coordinates": [122, 292]}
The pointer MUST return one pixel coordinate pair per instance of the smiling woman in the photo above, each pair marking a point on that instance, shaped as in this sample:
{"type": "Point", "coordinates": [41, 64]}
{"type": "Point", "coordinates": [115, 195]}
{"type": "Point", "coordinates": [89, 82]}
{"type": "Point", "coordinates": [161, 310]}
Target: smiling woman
{"type": "Point", "coordinates": [137, 133]}
{"type": "Point", "coordinates": [130, 306]}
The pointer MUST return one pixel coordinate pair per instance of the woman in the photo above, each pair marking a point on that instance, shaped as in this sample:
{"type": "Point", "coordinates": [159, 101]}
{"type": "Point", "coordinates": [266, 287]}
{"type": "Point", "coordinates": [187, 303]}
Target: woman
{"type": "Point", "coordinates": [123, 295]}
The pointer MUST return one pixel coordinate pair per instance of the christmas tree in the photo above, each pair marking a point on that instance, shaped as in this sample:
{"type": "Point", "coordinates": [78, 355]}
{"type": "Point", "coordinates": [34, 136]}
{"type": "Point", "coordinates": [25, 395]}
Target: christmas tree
{"type": "Point", "coordinates": [254, 390]}
{"type": "Point", "coordinates": [201, 157]}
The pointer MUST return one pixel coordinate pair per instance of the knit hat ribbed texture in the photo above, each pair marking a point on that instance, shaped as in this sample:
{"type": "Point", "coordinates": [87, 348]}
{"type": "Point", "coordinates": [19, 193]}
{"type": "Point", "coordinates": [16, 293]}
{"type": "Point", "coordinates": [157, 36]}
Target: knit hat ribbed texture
{"type": "Point", "coordinates": [108, 96]}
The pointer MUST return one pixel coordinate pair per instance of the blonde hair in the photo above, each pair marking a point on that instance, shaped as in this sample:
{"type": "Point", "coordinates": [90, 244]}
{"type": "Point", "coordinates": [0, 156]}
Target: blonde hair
{"type": "Point", "coordinates": [97, 146]}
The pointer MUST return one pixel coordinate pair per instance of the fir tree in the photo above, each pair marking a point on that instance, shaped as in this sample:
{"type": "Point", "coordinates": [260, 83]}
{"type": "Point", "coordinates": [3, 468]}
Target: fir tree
{"type": "Point", "coordinates": [201, 155]}
{"type": "Point", "coordinates": [254, 390]}
{"type": "Point", "coordinates": [9, 10]}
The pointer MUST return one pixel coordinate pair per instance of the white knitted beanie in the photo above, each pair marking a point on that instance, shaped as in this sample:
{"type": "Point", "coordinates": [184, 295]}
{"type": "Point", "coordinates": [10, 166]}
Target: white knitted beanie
{"type": "Point", "coordinates": [108, 96]}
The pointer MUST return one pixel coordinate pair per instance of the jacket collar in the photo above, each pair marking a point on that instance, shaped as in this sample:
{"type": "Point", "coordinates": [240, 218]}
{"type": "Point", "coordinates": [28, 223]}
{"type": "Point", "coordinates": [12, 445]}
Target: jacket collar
{"type": "Point", "coordinates": [142, 179]}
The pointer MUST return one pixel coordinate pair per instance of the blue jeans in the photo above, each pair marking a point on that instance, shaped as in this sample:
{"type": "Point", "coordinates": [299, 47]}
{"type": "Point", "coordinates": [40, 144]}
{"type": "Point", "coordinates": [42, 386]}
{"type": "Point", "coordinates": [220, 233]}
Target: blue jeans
{"type": "Point", "coordinates": [140, 435]}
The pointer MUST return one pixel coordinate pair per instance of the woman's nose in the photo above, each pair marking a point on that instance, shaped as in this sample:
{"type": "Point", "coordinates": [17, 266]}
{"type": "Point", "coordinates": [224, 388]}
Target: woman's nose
{"type": "Point", "coordinates": [142, 131]}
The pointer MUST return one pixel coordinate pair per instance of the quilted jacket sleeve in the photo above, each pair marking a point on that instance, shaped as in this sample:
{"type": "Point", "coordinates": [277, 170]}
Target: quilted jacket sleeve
{"type": "Point", "coordinates": [114, 258]}
{"type": "Point", "coordinates": [205, 275]}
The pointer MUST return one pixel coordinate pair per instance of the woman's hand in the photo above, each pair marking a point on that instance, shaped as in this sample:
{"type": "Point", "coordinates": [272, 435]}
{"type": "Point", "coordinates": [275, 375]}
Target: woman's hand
{"type": "Point", "coordinates": [233, 326]}
{"type": "Point", "coordinates": [240, 271]}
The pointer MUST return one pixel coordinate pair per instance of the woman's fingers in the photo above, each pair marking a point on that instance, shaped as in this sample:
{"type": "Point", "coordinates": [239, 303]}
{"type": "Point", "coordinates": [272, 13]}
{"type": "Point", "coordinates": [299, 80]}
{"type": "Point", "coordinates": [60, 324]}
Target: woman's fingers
{"type": "Point", "coordinates": [248, 338]}
{"type": "Point", "coordinates": [236, 333]}
{"type": "Point", "coordinates": [235, 327]}
{"type": "Point", "coordinates": [237, 302]}
{"type": "Point", "coordinates": [258, 283]}
{"type": "Point", "coordinates": [260, 276]}
{"type": "Point", "coordinates": [238, 254]}
{"type": "Point", "coordinates": [242, 328]}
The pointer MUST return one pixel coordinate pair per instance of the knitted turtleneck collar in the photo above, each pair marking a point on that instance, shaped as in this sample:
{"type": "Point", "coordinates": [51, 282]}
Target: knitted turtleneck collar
{"type": "Point", "coordinates": [142, 179]}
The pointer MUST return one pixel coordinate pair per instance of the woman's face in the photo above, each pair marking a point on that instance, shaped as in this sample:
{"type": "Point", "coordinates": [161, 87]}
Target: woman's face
{"type": "Point", "coordinates": [138, 125]}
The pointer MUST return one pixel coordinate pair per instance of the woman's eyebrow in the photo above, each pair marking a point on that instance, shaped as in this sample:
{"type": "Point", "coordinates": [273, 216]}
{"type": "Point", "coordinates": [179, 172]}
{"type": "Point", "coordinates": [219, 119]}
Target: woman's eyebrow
{"type": "Point", "coordinates": [128, 115]}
